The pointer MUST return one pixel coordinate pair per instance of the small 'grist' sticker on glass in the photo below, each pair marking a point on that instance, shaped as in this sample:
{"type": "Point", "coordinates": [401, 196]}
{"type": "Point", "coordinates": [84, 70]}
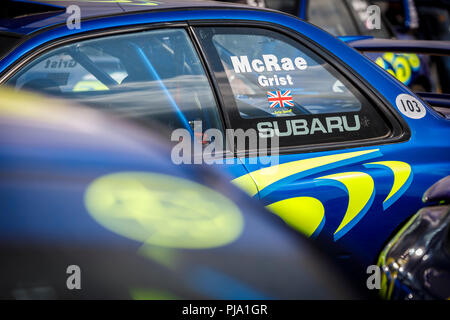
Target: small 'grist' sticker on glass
{"type": "Point", "coordinates": [410, 106]}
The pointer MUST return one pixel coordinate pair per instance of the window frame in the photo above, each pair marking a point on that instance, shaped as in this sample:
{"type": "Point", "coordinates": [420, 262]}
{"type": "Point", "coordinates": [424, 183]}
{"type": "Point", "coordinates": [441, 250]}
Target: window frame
{"type": "Point", "coordinates": [245, 123]}
{"type": "Point", "coordinates": [50, 45]}
{"type": "Point", "coordinates": [400, 131]}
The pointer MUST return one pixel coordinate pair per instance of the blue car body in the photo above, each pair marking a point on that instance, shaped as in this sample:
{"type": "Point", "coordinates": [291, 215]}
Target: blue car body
{"type": "Point", "coordinates": [58, 162]}
{"type": "Point", "coordinates": [367, 188]}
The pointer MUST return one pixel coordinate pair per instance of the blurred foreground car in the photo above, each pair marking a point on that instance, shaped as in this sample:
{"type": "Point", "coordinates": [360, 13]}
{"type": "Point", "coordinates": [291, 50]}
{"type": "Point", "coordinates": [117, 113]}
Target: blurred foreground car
{"type": "Point", "coordinates": [80, 190]}
{"type": "Point", "coordinates": [357, 149]}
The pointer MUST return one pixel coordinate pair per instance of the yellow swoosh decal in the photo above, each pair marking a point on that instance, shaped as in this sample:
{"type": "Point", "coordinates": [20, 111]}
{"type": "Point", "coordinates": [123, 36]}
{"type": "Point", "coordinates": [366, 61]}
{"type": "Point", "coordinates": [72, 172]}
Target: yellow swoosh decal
{"type": "Point", "coordinates": [301, 168]}
{"type": "Point", "coordinates": [247, 184]}
{"type": "Point", "coordinates": [305, 214]}
{"type": "Point", "coordinates": [361, 191]}
{"type": "Point", "coordinates": [402, 179]}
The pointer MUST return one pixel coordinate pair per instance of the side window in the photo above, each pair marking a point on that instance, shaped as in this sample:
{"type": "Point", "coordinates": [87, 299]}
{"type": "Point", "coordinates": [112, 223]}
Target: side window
{"type": "Point", "coordinates": [278, 86]}
{"type": "Point", "coordinates": [152, 76]}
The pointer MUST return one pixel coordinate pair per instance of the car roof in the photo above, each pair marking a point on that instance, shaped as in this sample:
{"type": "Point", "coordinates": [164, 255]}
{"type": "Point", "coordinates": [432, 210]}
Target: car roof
{"type": "Point", "coordinates": [23, 17]}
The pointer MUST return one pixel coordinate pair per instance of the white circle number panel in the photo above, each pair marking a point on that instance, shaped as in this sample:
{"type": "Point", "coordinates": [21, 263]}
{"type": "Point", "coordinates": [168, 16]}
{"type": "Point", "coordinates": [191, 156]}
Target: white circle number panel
{"type": "Point", "coordinates": [410, 106]}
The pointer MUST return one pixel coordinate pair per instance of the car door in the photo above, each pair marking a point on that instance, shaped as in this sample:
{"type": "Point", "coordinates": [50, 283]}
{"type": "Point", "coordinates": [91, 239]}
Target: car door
{"type": "Point", "coordinates": [348, 171]}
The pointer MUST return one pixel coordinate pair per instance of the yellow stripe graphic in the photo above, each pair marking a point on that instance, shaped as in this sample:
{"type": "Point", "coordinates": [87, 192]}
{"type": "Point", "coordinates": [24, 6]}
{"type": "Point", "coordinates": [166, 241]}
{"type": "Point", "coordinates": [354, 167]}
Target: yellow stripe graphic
{"type": "Point", "coordinates": [305, 214]}
{"type": "Point", "coordinates": [267, 176]}
{"type": "Point", "coordinates": [402, 179]}
{"type": "Point", "coordinates": [360, 188]}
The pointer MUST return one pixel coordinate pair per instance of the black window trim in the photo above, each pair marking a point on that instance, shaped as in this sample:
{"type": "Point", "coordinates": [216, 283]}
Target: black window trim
{"type": "Point", "coordinates": [400, 131]}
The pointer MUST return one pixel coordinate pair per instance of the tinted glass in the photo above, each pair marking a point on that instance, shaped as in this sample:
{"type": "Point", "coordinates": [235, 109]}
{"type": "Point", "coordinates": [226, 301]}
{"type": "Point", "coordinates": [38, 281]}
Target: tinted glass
{"type": "Point", "coordinates": [276, 85]}
{"type": "Point", "coordinates": [154, 75]}
{"type": "Point", "coordinates": [271, 77]}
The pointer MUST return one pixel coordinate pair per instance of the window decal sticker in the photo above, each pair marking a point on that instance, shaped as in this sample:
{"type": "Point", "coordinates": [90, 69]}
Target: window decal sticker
{"type": "Point", "coordinates": [280, 98]}
{"type": "Point", "coordinates": [300, 127]}
{"type": "Point", "coordinates": [269, 62]}
{"type": "Point", "coordinates": [410, 106]}
{"type": "Point", "coordinates": [280, 86]}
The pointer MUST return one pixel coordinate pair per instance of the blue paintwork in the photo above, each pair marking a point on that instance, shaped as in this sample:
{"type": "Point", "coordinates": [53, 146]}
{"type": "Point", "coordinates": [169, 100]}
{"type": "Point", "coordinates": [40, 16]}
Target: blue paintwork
{"type": "Point", "coordinates": [427, 151]}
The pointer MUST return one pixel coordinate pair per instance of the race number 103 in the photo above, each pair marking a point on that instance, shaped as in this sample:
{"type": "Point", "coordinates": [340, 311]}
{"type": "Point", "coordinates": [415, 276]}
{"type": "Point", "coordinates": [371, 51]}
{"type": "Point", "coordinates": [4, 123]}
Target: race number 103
{"type": "Point", "coordinates": [410, 106]}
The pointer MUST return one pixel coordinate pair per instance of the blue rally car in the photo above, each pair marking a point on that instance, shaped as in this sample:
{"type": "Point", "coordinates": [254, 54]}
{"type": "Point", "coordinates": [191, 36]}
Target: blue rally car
{"type": "Point", "coordinates": [357, 149]}
{"type": "Point", "coordinates": [84, 193]}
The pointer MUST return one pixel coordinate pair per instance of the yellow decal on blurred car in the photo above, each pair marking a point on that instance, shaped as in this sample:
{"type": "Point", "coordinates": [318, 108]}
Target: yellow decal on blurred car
{"type": "Point", "coordinates": [163, 210]}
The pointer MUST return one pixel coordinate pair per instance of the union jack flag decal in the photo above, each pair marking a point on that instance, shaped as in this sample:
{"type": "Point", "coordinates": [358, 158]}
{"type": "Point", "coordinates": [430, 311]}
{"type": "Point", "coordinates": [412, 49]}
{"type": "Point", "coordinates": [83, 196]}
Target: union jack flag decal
{"type": "Point", "coordinates": [280, 99]}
